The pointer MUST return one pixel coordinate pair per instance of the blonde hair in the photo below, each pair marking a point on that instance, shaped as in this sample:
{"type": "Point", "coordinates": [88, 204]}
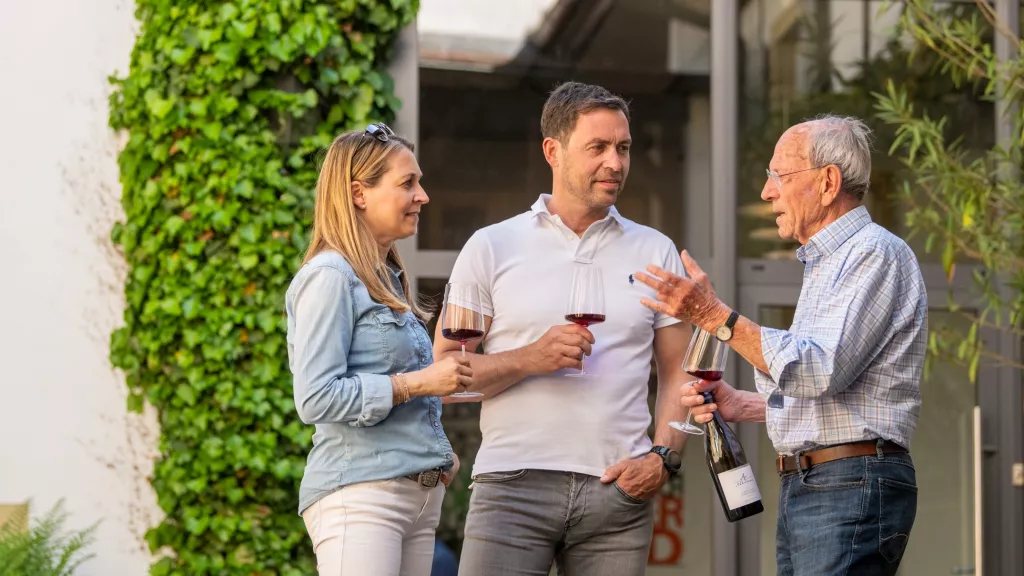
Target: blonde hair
{"type": "Point", "coordinates": [358, 156]}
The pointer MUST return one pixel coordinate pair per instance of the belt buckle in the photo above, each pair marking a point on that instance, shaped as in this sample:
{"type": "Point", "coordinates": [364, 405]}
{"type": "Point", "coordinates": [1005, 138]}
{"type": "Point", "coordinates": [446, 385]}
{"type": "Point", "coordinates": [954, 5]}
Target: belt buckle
{"type": "Point", "coordinates": [803, 463]}
{"type": "Point", "coordinates": [429, 478]}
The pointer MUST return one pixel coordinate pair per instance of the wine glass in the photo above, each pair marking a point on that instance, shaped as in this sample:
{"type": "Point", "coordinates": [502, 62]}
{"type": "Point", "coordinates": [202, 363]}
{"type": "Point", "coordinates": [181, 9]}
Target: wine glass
{"type": "Point", "coordinates": [585, 306]}
{"type": "Point", "coordinates": [462, 319]}
{"type": "Point", "coordinates": [705, 359]}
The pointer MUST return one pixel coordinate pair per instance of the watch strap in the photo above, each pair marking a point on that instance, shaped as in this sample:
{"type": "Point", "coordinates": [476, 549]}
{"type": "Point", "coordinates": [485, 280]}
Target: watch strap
{"type": "Point", "coordinates": [663, 452]}
{"type": "Point", "coordinates": [733, 317]}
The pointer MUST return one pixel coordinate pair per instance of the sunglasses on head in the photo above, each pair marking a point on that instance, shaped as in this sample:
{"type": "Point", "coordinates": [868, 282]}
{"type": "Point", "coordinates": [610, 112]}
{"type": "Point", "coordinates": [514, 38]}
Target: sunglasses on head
{"type": "Point", "coordinates": [380, 131]}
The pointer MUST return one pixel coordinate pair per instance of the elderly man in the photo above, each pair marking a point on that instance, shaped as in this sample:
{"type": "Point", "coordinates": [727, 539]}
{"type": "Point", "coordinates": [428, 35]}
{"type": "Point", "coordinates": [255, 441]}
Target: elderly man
{"type": "Point", "coordinates": [839, 390]}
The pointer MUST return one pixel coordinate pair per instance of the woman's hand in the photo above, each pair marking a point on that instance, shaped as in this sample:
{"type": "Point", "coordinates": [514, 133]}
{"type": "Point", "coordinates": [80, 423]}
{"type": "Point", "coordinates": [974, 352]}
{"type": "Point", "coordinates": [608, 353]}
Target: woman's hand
{"type": "Point", "coordinates": [448, 475]}
{"type": "Point", "coordinates": [451, 375]}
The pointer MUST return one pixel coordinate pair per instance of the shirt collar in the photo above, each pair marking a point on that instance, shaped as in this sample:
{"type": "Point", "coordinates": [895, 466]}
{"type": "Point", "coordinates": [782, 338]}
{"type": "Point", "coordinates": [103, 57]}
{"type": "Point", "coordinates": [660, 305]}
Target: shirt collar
{"type": "Point", "coordinates": [392, 267]}
{"type": "Point", "coordinates": [540, 207]}
{"type": "Point", "coordinates": [831, 237]}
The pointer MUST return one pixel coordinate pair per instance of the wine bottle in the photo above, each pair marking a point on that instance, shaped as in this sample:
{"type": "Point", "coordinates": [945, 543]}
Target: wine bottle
{"type": "Point", "coordinates": [733, 477]}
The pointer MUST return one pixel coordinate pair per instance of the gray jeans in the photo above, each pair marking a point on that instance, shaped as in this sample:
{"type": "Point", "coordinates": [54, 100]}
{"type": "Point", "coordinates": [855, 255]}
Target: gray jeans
{"type": "Point", "coordinates": [520, 522]}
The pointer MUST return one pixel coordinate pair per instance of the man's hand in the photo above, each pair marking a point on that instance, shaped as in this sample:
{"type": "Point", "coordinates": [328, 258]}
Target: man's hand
{"type": "Point", "coordinates": [688, 299]}
{"type": "Point", "coordinates": [727, 401]}
{"type": "Point", "coordinates": [560, 347]}
{"type": "Point", "coordinates": [639, 477]}
{"type": "Point", "coordinates": [448, 475]}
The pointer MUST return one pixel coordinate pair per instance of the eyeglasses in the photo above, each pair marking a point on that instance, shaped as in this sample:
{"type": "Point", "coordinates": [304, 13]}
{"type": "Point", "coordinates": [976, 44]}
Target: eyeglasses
{"type": "Point", "coordinates": [777, 178]}
{"type": "Point", "coordinates": [380, 131]}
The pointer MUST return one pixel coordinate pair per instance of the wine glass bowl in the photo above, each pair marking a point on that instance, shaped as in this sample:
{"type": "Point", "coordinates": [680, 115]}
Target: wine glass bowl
{"type": "Point", "coordinates": [462, 319]}
{"type": "Point", "coordinates": [705, 359]}
{"type": "Point", "coordinates": [585, 304]}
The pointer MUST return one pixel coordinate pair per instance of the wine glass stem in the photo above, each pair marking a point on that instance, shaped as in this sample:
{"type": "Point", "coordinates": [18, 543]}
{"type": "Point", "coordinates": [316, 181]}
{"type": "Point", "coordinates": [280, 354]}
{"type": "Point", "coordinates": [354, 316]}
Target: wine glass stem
{"type": "Point", "coordinates": [582, 360]}
{"type": "Point", "coordinates": [463, 349]}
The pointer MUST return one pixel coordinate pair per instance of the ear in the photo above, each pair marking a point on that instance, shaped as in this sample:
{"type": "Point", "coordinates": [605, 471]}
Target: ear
{"type": "Point", "coordinates": [358, 195]}
{"type": "Point", "coordinates": [551, 148]}
{"type": "Point", "coordinates": [831, 184]}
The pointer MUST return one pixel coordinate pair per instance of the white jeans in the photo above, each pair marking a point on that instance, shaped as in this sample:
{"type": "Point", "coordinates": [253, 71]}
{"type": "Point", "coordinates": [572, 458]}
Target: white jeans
{"type": "Point", "coordinates": [384, 528]}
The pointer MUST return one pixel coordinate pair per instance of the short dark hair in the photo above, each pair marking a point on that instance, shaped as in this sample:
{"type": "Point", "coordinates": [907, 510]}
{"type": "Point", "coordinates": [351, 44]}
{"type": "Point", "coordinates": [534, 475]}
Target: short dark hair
{"type": "Point", "coordinates": [568, 101]}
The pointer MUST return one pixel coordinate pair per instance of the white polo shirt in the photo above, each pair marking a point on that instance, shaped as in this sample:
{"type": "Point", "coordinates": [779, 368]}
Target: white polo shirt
{"type": "Point", "coordinates": [523, 268]}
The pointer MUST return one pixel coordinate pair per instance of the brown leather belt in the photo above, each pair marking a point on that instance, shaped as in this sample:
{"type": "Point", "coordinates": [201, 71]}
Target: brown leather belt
{"type": "Point", "coordinates": [806, 460]}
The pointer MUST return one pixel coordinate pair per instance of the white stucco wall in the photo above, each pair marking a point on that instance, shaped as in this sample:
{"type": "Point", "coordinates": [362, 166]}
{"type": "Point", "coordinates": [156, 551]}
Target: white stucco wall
{"type": "Point", "coordinates": [64, 432]}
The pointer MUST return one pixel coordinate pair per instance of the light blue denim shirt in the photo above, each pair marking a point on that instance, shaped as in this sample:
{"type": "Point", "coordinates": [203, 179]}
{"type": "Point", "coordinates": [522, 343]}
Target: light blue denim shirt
{"type": "Point", "coordinates": [342, 345]}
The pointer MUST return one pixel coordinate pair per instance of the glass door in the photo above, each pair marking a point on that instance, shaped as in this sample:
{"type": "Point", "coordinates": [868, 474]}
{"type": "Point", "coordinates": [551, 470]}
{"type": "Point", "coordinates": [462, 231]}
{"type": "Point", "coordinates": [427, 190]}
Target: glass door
{"type": "Point", "coordinates": [944, 448]}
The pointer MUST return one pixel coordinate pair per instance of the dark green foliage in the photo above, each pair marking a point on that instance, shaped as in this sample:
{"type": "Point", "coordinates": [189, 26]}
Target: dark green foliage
{"type": "Point", "coordinates": [226, 107]}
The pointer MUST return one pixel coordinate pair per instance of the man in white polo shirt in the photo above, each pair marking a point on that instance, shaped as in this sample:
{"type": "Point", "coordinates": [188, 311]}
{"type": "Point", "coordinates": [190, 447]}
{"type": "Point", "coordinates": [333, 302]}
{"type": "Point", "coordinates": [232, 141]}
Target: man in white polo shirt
{"type": "Point", "coordinates": [566, 470]}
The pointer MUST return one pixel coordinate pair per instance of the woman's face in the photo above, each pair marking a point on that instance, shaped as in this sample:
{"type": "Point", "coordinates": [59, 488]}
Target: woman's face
{"type": "Point", "coordinates": [391, 210]}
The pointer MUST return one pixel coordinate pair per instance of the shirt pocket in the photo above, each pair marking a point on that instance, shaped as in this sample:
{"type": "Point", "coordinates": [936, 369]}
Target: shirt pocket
{"type": "Point", "coordinates": [396, 339]}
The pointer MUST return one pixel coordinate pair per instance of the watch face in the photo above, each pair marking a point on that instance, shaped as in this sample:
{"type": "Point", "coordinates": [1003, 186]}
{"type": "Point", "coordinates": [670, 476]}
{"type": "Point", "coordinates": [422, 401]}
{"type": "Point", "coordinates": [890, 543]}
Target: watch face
{"type": "Point", "coordinates": [674, 460]}
{"type": "Point", "coordinates": [723, 333]}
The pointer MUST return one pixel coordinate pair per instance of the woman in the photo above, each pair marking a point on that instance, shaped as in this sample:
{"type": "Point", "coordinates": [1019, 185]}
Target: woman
{"type": "Point", "coordinates": [363, 368]}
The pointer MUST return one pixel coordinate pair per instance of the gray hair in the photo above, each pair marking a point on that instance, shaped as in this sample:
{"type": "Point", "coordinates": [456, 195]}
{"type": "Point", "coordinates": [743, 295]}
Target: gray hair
{"type": "Point", "coordinates": [844, 141]}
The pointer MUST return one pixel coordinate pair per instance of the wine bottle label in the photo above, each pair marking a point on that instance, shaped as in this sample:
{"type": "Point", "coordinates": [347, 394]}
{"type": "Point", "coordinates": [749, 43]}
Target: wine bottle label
{"type": "Point", "coordinates": [739, 487]}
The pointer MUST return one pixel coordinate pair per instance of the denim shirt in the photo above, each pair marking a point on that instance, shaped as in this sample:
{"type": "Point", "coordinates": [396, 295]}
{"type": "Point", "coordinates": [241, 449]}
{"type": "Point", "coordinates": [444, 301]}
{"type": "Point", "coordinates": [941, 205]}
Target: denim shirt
{"type": "Point", "coordinates": [342, 345]}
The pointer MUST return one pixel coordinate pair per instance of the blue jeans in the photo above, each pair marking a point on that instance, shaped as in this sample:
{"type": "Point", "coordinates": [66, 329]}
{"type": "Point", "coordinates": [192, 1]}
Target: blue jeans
{"type": "Point", "coordinates": [850, 516]}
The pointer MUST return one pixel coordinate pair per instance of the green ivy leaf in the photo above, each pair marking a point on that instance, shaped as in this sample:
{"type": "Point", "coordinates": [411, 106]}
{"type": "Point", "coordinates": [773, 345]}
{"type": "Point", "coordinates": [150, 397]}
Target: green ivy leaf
{"type": "Point", "coordinates": [157, 106]}
{"type": "Point", "coordinates": [186, 394]}
{"type": "Point", "coordinates": [248, 261]}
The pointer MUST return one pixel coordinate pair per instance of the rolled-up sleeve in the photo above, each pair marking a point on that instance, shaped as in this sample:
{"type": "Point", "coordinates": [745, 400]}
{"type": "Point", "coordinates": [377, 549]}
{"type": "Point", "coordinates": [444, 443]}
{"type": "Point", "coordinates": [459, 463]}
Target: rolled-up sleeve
{"type": "Point", "coordinates": [842, 337]}
{"type": "Point", "coordinates": [323, 327]}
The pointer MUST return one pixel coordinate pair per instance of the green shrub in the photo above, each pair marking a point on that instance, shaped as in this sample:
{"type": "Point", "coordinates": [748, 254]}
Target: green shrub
{"type": "Point", "coordinates": [226, 106]}
{"type": "Point", "coordinates": [45, 549]}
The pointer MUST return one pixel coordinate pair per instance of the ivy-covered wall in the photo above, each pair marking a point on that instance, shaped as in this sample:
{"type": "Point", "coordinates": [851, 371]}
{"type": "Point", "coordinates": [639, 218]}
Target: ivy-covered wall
{"type": "Point", "coordinates": [227, 106]}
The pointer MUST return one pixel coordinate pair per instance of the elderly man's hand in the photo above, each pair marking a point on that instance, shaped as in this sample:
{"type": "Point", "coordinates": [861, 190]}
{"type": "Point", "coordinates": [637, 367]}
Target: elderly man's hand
{"type": "Point", "coordinates": [689, 299]}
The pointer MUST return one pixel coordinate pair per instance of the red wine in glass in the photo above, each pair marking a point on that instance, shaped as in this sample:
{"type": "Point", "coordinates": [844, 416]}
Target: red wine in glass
{"type": "Point", "coordinates": [462, 319]}
{"type": "Point", "coordinates": [709, 375]}
{"type": "Point", "coordinates": [585, 320]}
{"type": "Point", "coordinates": [461, 335]}
{"type": "Point", "coordinates": [705, 359]}
{"type": "Point", "coordinates": [585, 305]}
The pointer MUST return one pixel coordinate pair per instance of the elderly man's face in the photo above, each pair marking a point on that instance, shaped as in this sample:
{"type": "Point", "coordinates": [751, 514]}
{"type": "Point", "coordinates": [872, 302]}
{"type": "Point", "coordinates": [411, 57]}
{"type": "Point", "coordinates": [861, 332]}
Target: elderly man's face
{"type": "Point", "coordinates": [799, 204]}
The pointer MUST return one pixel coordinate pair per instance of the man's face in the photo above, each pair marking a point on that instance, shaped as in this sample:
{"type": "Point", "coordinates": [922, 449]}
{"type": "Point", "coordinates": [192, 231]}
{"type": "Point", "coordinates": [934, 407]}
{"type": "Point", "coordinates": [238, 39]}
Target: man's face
{"type": "Point", "coordinates": [798, 202]}
{"type": "Point", "coordinates": [594, 162]}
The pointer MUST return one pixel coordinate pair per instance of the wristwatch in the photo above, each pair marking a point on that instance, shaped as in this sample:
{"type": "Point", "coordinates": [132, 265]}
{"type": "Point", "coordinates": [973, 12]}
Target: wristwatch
{"type": "Point", "coordinates": [669, 457]}
{"type": "Point", "coordinates": [724, 332]}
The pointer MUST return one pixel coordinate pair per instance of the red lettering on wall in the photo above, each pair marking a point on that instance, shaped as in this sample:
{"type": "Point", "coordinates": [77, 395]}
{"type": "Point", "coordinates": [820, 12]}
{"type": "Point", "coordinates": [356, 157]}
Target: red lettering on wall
{"type": "Point", "coordinates": [667, 543]}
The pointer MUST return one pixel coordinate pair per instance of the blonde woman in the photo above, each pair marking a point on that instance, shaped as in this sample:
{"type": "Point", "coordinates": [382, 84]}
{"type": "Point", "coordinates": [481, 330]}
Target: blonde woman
{"type": "Point", "coordinates": [363, 368]}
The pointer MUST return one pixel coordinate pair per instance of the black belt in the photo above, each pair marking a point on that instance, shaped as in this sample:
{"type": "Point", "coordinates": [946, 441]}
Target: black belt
{"type": "Point", "coordinates": [427, 478]}
{"type": "Point", "coordinates": [806, 460]}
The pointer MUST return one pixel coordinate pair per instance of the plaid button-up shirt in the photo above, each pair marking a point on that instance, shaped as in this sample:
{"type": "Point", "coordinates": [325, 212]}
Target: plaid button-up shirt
{"type": "Point", "coordinates": [849, 368]}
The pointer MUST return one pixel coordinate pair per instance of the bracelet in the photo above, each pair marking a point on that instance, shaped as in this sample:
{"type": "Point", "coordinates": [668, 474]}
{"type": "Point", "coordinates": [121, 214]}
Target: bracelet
{"type": "Point", "coordinates": [404, 392]}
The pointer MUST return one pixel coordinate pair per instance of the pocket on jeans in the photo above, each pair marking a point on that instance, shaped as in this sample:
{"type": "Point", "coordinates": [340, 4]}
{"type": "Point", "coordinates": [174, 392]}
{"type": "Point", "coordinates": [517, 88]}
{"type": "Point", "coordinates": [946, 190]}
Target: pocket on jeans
{"type": "Point", "coordinates": [626, 495]}
{"type": "Point", "coordinates": [843, 474]}
{"type": "Point", "coordinates": [897, 511]}
{"type": "Point", "coordinates": [498, 477]}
